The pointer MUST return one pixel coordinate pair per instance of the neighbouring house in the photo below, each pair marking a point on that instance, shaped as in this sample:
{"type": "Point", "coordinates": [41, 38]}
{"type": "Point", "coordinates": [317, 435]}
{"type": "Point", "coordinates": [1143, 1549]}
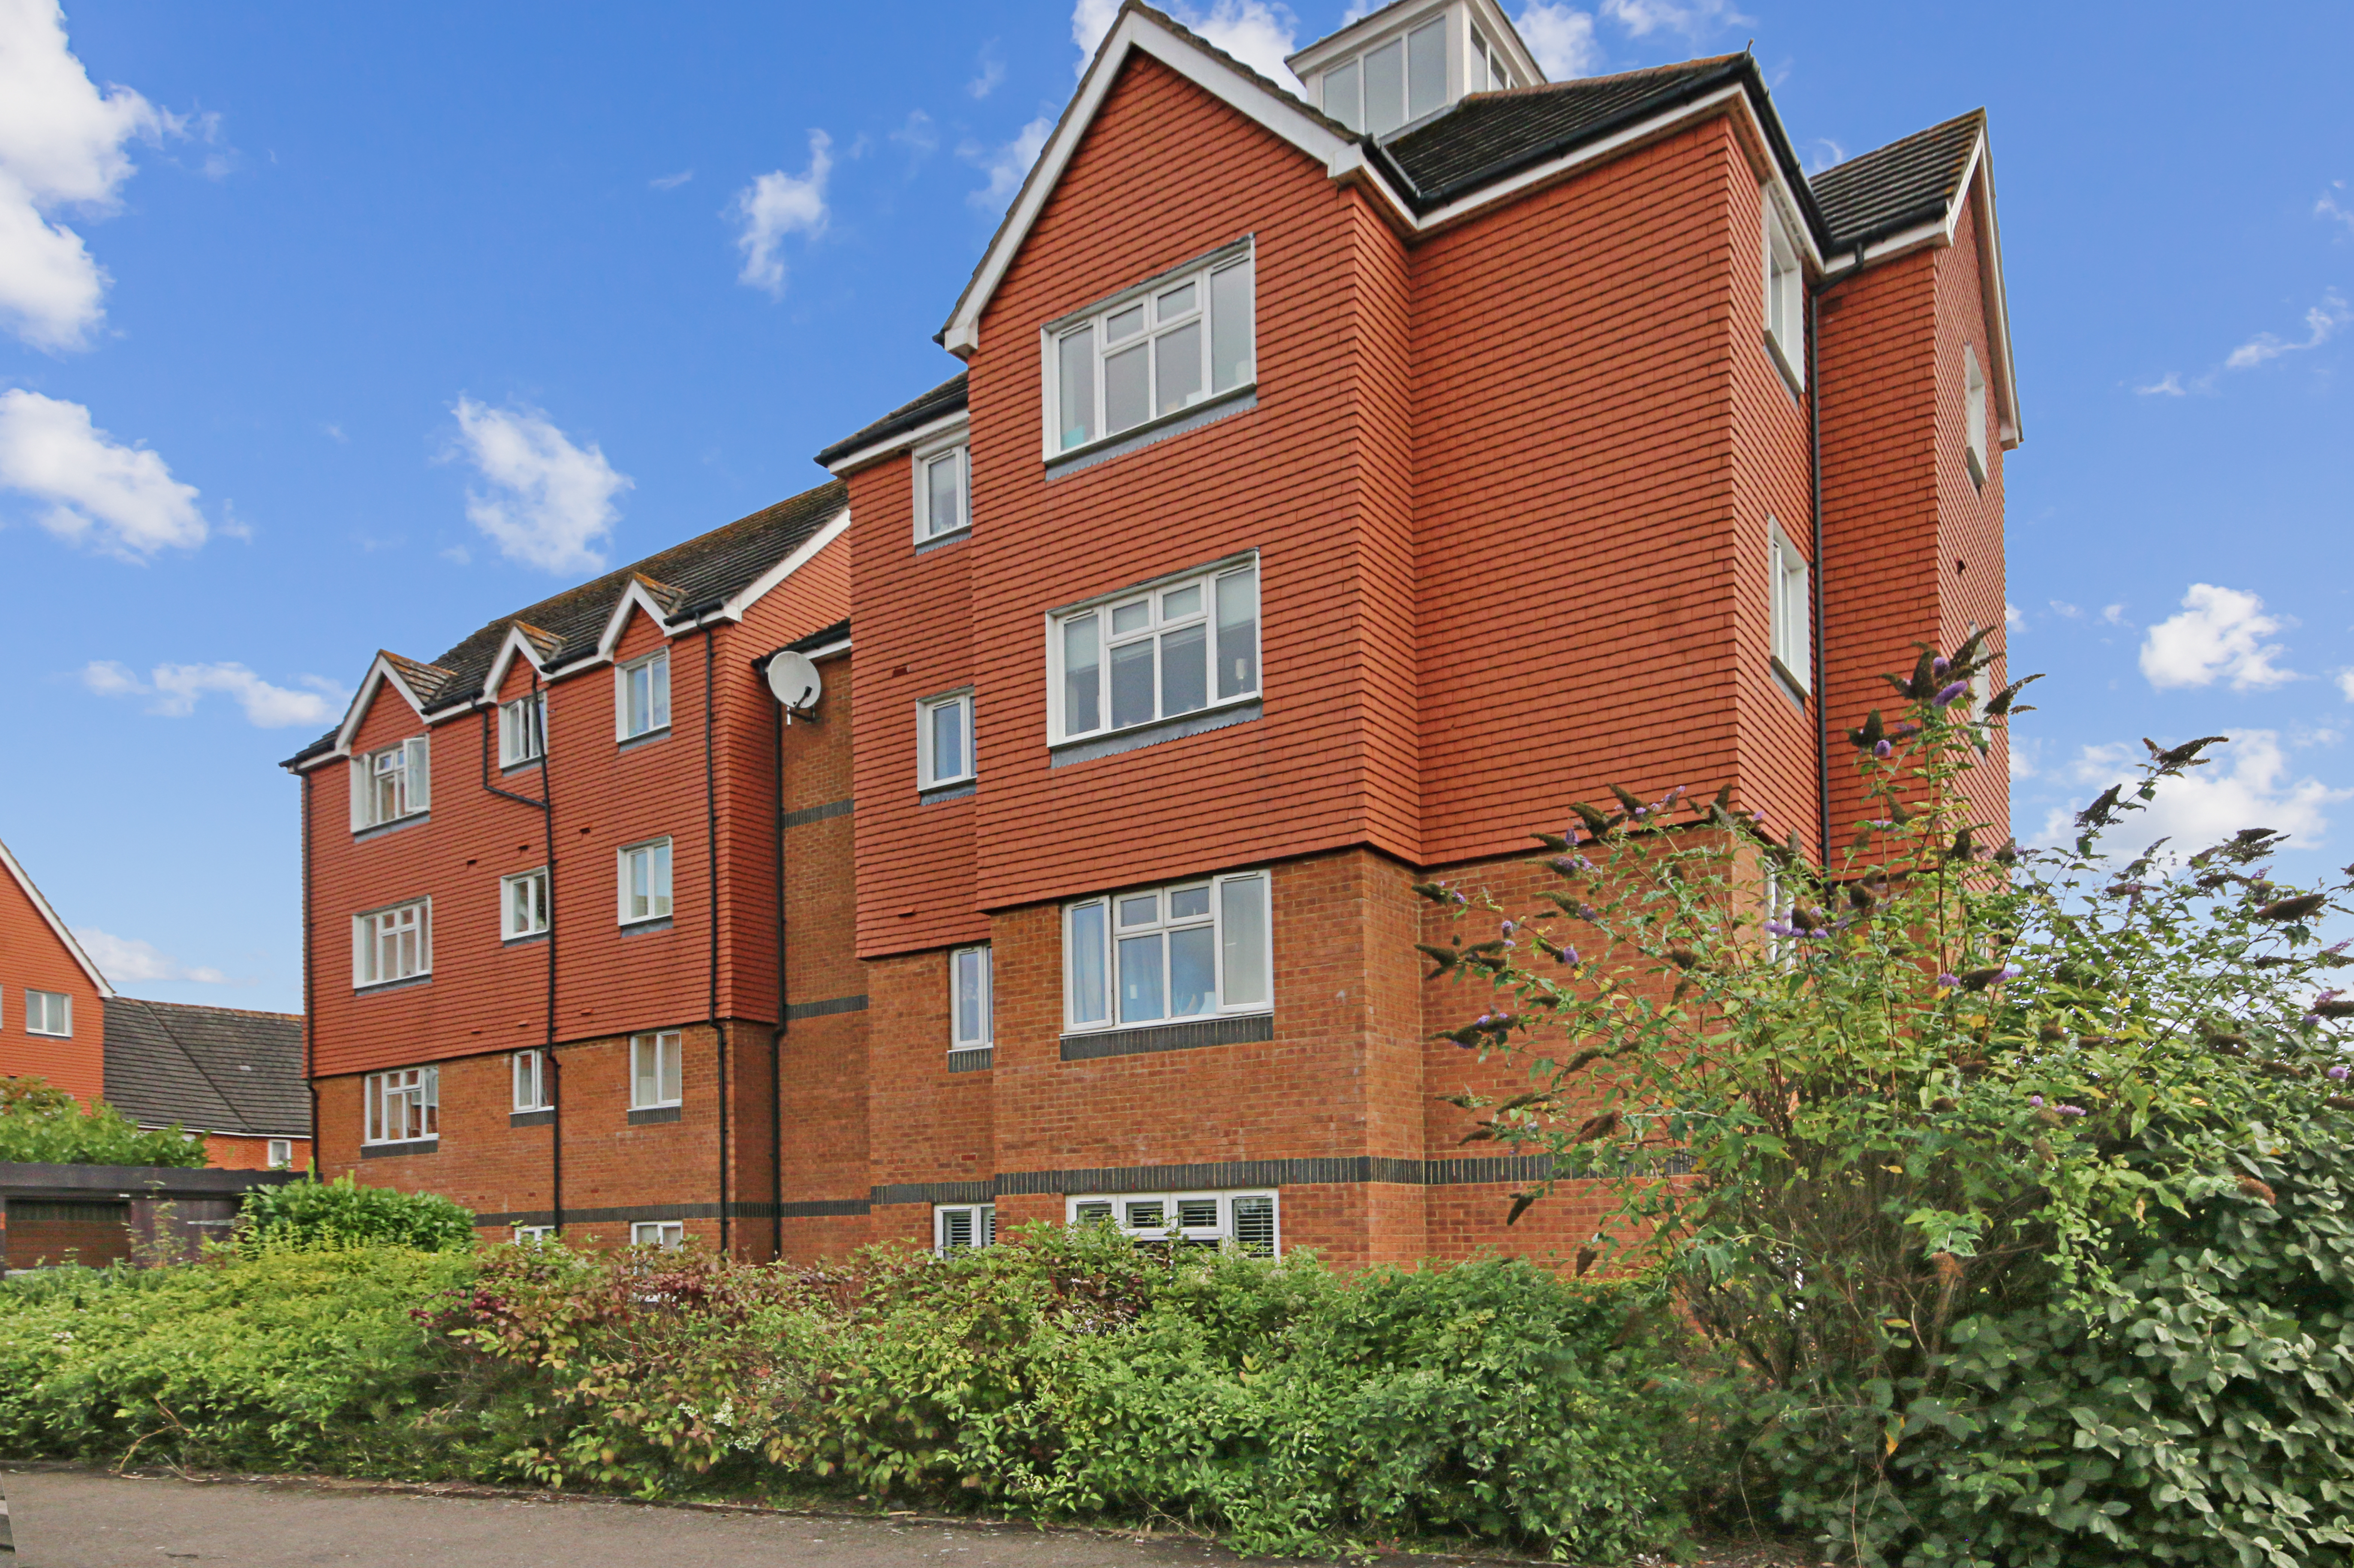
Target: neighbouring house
{"type": "Point", "coordinates": [52, 998]}
{"type": "Point", "coordinates": [1336, 486]}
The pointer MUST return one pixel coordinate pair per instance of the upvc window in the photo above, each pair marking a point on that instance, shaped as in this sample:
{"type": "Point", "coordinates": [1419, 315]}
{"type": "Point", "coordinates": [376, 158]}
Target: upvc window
{"type": "Point", "coordinates": [1247, 1220]}
{"type": "Point", "coordinates": [1152, 350]}
{"type": "Point", "coordinates": [657, 1069]}
{"type": "Point", "coordinates": [969, 1024]}
{"type": "Point", "coordinates": [48, 1012]}
{"type": "Point", "coordinates": [1488, 71]}
{"type": "Point", "coordinates": [402, 1105]}
{"type": "Point", "coordinates": [645, 882]}
{"type": "Point", "coordinates": [943, 491]}
{"type": "Point", "coordinates": [282, 1153]}
{"type": "Point", "coordinates": [944, 740]}
{"type": "Point", "coordinates": [393, 943]}
{"type": "Point", "coordinates": [1154, 652]}
{"type": "Point", "coordinates": [1974, 414]}
{"type": "Point", "coordinates": [534, 1235]}
{"type": "Point", "coordinates": [668, 1234]}
{"type": "Point", "coordinates": [523, 729]}
{"type": "Point", "coordinates": [531, 1084]}
{"type": "Point", "coordinates": [1785, 294]}
{"type": "Point", "coordinates": [390, 784]}
{"type": "Point", "coordinates": [1786, 578]}
{"type": "Point", "coordinates": [642, 695]}
{"type": "Point", "coordinates": [1192, 950]}
{"type": "Point", "coordinates": [522, 904]}
{"type": "Point", "coordinates": [1382, 89]}
{"type": "Point", "coordinates": [962, 1227]}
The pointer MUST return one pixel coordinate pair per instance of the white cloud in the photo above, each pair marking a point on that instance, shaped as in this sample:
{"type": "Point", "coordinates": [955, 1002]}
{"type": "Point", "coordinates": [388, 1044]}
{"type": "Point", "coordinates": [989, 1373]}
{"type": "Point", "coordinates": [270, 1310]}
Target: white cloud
{"type": "Point", "coordinates": [2014, 619]}
{"type": "Point", "coordinates": [2327, 207]}
{"type": "Point", "coordinates": [2114, 614]}
{"type": "Point", "coordinates": [129, 959]}
{"type": "Point", "coordinates": [778, 204]}
{"type": "Point", "coordinates": [919, 135]}
{"type": "Point", "coordinates": [61, 144]}
{"type": "Point", "coordinates": [1090, 20]}
{"type": "Point", "coordinates": [2167, 386]}
{"type": "Point", "coordinates": [2321, 323]}
{"type": "Point", "coordinates": [2066, 611]}
{"type": "Point", "coordinates": [1006, 166]}
{"type": "Point", "coordinates": [1692, 18]}
{"type": "Point", "coordinates": [1824, 153]}
{"type": "Point", "coordinates": [175, 688]}
{"type": "Point", "coordinates": [1561, 38]}
{"type": "Point", "coordinates": [2220, 634]}
{"type": "Point", "coordinates": [671, 182]}
{"type": "Point", "coordinates": [121, 501]}
{"type": "Point", "coordinates": [552, 502]}
{"type": "Point", "coordinates": [989, 70]}
{"type": "Point", "coordinates": [2247, 786]}
{"type": "Point", "coordinates": [1259, 33]}
{"type": "Point", "coordinates": [2345, 684]}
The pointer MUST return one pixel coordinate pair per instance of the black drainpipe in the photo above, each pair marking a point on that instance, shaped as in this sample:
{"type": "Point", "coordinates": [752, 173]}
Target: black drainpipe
{"type": "Point", "coordinates": [545, 807]}
{"type": "Point", "coordinates": [310, 1001]}
{"type": "Point", "coordinates": [776, 1039]}
{"type": "Point", "coordinates": [711, 842]}
{"type": "Point", "coordinates": [1815, 479]}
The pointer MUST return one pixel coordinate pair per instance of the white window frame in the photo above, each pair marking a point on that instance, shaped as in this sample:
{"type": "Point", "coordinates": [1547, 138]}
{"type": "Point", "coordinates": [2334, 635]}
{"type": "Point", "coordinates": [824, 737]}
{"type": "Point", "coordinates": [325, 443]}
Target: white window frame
{"type": "Point", "coordinates": [402, 772]}
{"type": "Point", "coordinates": [668, 1234]}
{"type": "Point", "coordinates": [955, 455]}
{"type": "Point", "coordinates": [533, 1235]}
{"type": "Point", "coordinates": [523, 729]}
{"type": "Point", "coordinates": [656, 668]}
{"type": "Point", "coordinates": [1125, 1210]}
{"type": "Point", "coordinates": [1095, 324]}
{"type": "Point", "coordinates": [1974, 415]}
{"type": "Point", "coordinates": [1340, 88]}
{"type": "Point", "coordinates": [280, 1153]}
{"type": "Point", "coordinates": [1790, 618]}
{"type": "Point", "coordinates": [976, 959]}
{"type": "Point", "coordinates": [417, 1088]}
{"type": "Point", "coordinates": [1061, 628]}
{"type": "Point", "coordinates": [371, 928]}
{"type": "Point", "coordinates": [532, 919]}
{"type": "Point", "coordinates": [978, 1221]}
{"type": "Point", "coordinates": [928, 773]}
{"type": "Point", "coordinates": [49, 1013]}
{"type": "Point", "coordinates": [1165, 921]}
{"type": "Point", "coordinates": [1786, 293]}
{"type": "Point", "coordinates": [1497, 71]}
{"type": "Point", "coordinates": [658, 903]}
{"type": "Point", "coordinates": [527, 1076]}
{"type": "Point", "coordinates": [669, 1048]}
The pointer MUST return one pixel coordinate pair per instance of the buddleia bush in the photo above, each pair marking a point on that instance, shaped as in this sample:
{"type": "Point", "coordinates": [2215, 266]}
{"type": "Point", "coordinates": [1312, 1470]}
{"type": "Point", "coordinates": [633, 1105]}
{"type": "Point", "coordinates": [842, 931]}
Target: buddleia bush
{"type": "Point", "coordinates": [2014, 1180]}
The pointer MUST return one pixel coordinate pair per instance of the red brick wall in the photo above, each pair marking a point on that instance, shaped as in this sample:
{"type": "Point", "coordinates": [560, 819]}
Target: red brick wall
{"type": "Point", "coordinates": [236, 1151]}
{"type": "Point", "coordinates": [33, 957]}
{"type": "Point", "coordinates": [1970, 573]}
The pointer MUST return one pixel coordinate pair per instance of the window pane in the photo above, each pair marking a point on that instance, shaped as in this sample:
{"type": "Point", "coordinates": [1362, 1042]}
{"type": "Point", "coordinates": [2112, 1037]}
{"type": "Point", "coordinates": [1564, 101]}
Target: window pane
{"type": "Point", "coordinates": [1125, 399]}
{"type": "Point", "coordinates": [633, 867]}
{"type": "Point", "coordinates": [1077, 354]}
{"type": "Point", "coordinates": [1184, 677]}
{"type": "Point", "coordinates": [1340, 96]}
{"type": "Point", "coordinates": [1242, 931]}
{"type": "Point", "coordinates": [1131, 682]}
{"type": "Point", "coordinates": [1082, 709]}
{"type": "Point", "coordinates": [1119, 328]}
{"type": "Point", "coordinates": [1177, 371]}
{"type": "Point", "coordinates": [1238, 632]}
{"type": "Point", "coordinates": [1232, 355]}
{"type": "Point", "coordinates": [1385, 89]}
{"type": "Point", "coordinates": [673, 1065]}
{"type": "Point", "coordinates": [1192, 972]}
{"type": "Point", "coordinates": [1145, 1215]}
{"type": "Point", "coordinates": [968, 998]}
{"type": "Point", "coordinates": [1179, 603]}
{"type": "Point", "coordinates": [1140, 909]}
{"type": "Point", "coordinates": [1087, 958]}
{"type": "Point", "coordinates": [1425, 69]}
{"type": "Point", "coordinates": [947, 740]}
{"type": "Point", "coordinates": [943, 509]}
{"type": "Point", "coordinates": [1130, 617]}
{"type": "Point", "coordinates": [1139, 978]}
{"type": "Point", "coordinates": [1254, 1224]}
{"type": "Point", "coordinates": [662, 879]}
{"type": "Point", "coordinates": [1176, 303]}
{"type": "Point", "coordinates": [645, 1087]}
{"type": "Point", "coordinates": [1188, 903]}
{"type": "Point", "coordinates": [956, 1229]}
{"type": "Point", "coordinates": [1197, 1214]}
{"type": "Point", "coordinates": [661, 669]}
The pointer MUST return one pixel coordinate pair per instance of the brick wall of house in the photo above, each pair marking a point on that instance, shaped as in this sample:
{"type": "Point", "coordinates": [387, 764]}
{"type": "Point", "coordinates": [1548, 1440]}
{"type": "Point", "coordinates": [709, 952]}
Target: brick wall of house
{"type": "Point", "coordinates": [1970, 576]}
{"type": "Point", "coordinates": [33, 957]}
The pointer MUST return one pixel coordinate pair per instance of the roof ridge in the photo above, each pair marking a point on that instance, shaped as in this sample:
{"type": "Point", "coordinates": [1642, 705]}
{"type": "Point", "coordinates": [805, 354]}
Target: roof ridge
{"type": "Point", "coordinates": [211, 1007]}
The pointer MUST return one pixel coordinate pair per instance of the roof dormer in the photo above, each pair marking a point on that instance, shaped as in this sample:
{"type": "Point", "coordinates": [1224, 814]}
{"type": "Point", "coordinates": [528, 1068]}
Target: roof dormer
{"type": "Point", "coordinates": [1410, 60]}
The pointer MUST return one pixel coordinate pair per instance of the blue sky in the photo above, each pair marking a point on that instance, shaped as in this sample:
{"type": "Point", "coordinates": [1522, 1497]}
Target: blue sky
{"type": "Point", "coordinates": [324, 329]}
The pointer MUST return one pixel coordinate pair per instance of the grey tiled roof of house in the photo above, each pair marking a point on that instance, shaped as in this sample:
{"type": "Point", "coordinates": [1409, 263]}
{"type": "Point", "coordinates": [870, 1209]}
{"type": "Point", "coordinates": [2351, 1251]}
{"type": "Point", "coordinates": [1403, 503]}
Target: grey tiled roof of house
{"type": "Point", "coordinates": [945, 399]}
{"type": "Point", "coordinates": [1908, 182]}
{"type": "Point", "coordinates": [686, 580]}
{"type": "Point", "coordinates": [211, 1069]}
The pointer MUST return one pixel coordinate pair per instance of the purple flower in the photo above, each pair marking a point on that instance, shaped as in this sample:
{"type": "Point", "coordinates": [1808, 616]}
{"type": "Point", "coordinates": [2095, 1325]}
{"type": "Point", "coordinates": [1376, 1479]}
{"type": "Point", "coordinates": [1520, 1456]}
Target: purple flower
{"type": "Point", "coordinates": [1882, 750]}
{"type": "Point", "coordinates": [1947, 982]}
{"type": "Point", "coordinates": [1569, 835]}
{"type": "Point", "coordinates": [2335, 948]}
{"type": "Point", "coordinates": [2332, 994]}
{"type": "Point", "coordinates": [1780, 928]}
{"type": "Point", "coordinates": [2010, 971]}
{"type": "Point", "coordinates": [1585, 911]}
{"type": "Point", "coordinates": [2072, 1110]}
{"type": "Point", "coordinates": [1948, 694]}
{"type": "Point", "coordinates": [1508, 929]}
{"type": "Point", "coordinates": [1569, 956]}
{"type": "Point", "coordinates": [1640, 812]}
{"type": "Point", "coordinates": [2339, 1073]}
{"type": "Point", "coordinates": [1939, 665]}
{"type": "Point", "coordinates": [2035, 1100]}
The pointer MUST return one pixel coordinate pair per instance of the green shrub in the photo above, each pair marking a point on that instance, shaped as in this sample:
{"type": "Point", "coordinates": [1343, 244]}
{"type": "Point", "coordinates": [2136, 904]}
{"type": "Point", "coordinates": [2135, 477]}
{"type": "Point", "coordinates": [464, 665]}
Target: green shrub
{"type": "Point", "coordinates": [310, 1213]}
{"type": "Point", "coordinates": [43, 1125]}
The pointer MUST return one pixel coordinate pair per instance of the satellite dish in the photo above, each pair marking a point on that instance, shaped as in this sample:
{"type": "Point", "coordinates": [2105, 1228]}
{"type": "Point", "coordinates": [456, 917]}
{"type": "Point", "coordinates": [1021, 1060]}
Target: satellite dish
{"type": "Point", "coordinates": [793, 680]}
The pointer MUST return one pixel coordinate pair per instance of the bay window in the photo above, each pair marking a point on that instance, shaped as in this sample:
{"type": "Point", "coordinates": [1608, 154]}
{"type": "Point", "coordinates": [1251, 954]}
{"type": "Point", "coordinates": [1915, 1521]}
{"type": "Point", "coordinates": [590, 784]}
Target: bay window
{"type": "Point", "coordinates": [403, 1105]}
{"type": "Point", "coordinates": [1151, 352]}
{"type": "Point", "coordinates": [1155, 652]}
{"type": "Point", "coordinates": [393, 943]}
{"type": "Point", "coordinates": [390, 784]}
{"type": "Point", "coordinates": [1192, 950]}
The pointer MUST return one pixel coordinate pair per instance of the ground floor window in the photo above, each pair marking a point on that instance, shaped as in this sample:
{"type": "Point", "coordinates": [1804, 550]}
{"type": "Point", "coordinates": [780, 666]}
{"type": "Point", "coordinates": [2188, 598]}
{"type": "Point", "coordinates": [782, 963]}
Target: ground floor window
{"type": "Point", "coordinates": [1198, 1219]}
{"type": "Point", "coordinates": [960, 1227]}
{"type": "Point", "coordinates": [282, 1153]}
{"type": "Point", "coordinates": [403, 1105]}
{"type": "Point", "coordinates": [533, 1235]}
{"type": "Point", "coordinates": [669, 1235]}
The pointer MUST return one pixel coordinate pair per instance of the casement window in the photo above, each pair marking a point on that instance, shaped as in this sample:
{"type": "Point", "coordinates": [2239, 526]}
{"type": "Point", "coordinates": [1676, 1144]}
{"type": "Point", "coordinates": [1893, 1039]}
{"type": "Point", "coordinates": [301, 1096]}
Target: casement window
{"type": "Point", "coordinates": [1382, 89]}
{"type": "Point", "coordinates": [282, 1153]}
{"type": "Point", "coordinates": [657, 1069]}
{"type": "Point", "coordinates": [969, 1026]}
{"type": "Point", "coordinates": [1974, 414]}
{"type": "Point", "coordinates": [1246, 1220]}
{"type": "Point", "coordinates": [402, 1105]}
{"type": "Point", "coordinates": [391, 784]}
{"type": "Point", "coordinates": [531, 1084]}
{"type": "Point", "coordinates": [944, 740]}
{"type": "Point", "coordinates": [1487, 71]}
{"type": "Point", "coordinates": [523, 729]}
{"type": "Point", "coordinates": [1150, 352]}
{"type": "Point", "coordinates": [962, 1227]}
{"type": "Point", "coordinates": [943, 491]}
{"type": "Point", "coordinates": [641, 695]}
{"type": "Point", "coordinates": [668, 1234]}
{"type": "Point", "coordinates": [1785, 294]}
{"type": "Point", "coordinates": [645, 882]}
{"type": "Point", "coordinates": [522, 904]}
{"type": "Point", "coordinates": [393, 943]}
{"type": "Point", "coordinates": [1154, 652]}
{"type": "Point", "coordinates": [1787, 580]}
{"type": "Point", "coordinates": [534, 1235]}
{"type": "Point", "coordinates": [48, 1012]}
{"type": "Point", "coordinates": [1194, 949]}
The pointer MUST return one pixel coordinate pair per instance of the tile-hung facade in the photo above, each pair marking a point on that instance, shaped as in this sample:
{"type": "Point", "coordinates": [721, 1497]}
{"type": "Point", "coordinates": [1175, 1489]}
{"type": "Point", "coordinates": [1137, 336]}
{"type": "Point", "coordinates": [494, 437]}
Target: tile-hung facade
{"type": "Point", "coordinates": [1336, 486]}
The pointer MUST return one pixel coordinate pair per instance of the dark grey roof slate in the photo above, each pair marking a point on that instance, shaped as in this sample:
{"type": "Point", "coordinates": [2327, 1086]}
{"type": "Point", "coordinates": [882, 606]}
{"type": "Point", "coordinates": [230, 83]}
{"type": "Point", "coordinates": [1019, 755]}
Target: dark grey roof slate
{"type": "Point", "coordinates": [945, 399]}
{"type": "Point", "coordinates": [1892, 188]}
{"type": "Point", "coordinates": [211, 1069]}
{"type": "Point", "coordinates": [684, 579]}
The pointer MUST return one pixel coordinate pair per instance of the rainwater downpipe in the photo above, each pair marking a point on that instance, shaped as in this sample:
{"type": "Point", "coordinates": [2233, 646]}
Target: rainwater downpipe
{"type": "Point", "coordinates": [711, 845]}
{"type": "Point", "coordinates": [545, 807]}
{"type": "Point", "coordinates": [310, 1001]}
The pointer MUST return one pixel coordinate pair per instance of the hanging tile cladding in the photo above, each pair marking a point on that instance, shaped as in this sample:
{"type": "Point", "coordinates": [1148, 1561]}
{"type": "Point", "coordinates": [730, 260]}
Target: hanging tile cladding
{"type": "Point", "coordinates": [1330, 762]}
{"type": "Point", "coordinates": [33, 956]}
{"type": "Point", "coordinates": [1971, 517]}
{"type": "Point", "coordinates": [1576, 504]}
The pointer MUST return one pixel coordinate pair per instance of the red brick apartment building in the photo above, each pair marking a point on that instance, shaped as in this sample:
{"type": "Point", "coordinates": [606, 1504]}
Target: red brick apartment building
{"type": "Point", "coordinates": [1335, 488]}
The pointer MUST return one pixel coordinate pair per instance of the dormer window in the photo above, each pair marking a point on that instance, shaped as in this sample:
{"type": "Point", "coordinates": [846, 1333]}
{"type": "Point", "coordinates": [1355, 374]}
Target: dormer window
{"type": "Point", "coordinates": [1485, 71]}
{"type": "Point", "coordinates": [1399, 79]}
{"type": "Point", "coordinates": [523, 729]}
{"type": "Point", "coordinates": [641, 695]}
{"type": "Point", "coordinates": [390, 784]}
{"type": "Point", "coordinates": [1152, 352]}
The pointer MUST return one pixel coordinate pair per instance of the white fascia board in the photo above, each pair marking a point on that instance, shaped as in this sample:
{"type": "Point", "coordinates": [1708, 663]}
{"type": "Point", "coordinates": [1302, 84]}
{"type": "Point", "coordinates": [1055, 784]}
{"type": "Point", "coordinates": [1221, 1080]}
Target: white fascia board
{"type": "Point", "coordinates": [831, 650]}
{"type": "Point", "coordinates": [634, 594]}
{"type": "Point", "coordinates": [806, 552]}
{"type": "Point", "coordinates": [1936, 232]}
{"type": "Point", "coordinates": [2011, 429]}
{"type": "Point", "coordinates": [1139, 32]}
{"type": "Point", "coordinates": [380, 673]}
{"type": "Point", "coordinates": [945, 425]}
{"type": "Point", "coordinates": [516, 642]}
{"type": "Point", "coordinates": [57, 926]}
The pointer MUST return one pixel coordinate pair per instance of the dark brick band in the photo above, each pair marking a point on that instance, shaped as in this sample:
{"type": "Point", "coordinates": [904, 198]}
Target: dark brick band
{"type": "Point", "coordinates": [1169, 1037]}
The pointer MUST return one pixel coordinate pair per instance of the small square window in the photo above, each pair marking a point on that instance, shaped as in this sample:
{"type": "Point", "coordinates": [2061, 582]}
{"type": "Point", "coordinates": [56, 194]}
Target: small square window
{"type": "Point", "coordinates": [963, 1227]}
{"type": "Point", "coordinates": [282, 1153]}
{"type": "Point", "coordinates": [523, 905]}
{"type": "Point", "coordinates": [48, 1012]}
{"type": "Point", "coordinates": [645, 882]}
{"type": "Point", "coordinates": [944, 740]}
{"type": "Point", "coordinates": [641, 695]}
{"type": "Point", "coordinates": [668, 1234]}
{"type": "Point", "coordinates": [657, 1070]}
{"type": "Point", "coordinates": [943, 491]}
